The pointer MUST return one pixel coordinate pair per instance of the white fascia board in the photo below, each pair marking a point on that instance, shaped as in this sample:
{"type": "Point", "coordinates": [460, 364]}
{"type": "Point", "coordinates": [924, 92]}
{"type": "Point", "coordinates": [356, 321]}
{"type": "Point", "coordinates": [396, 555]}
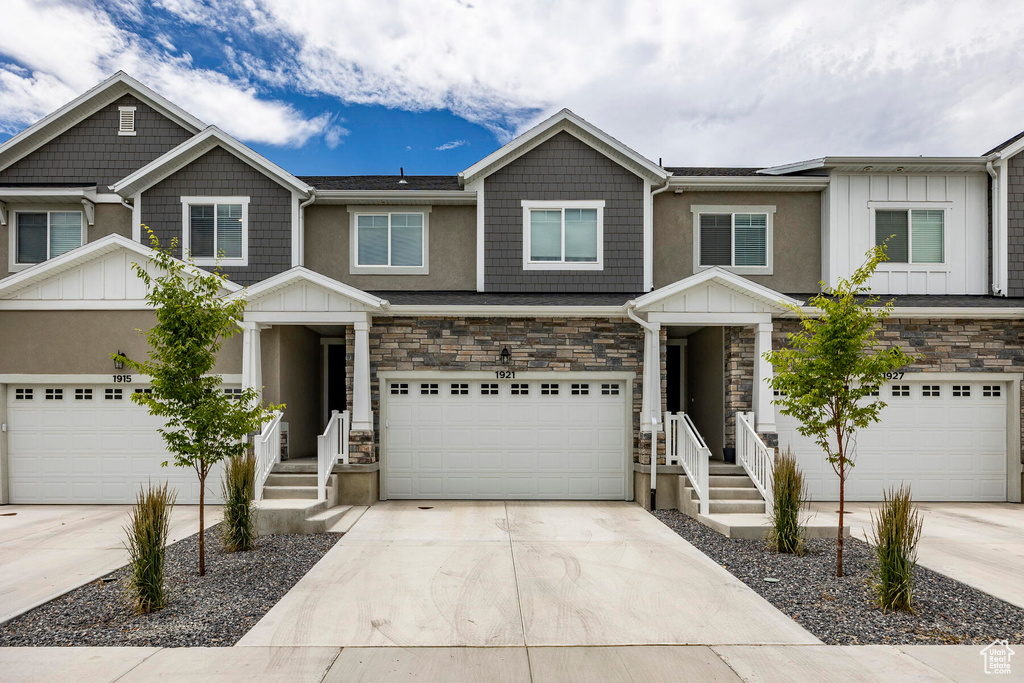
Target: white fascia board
{"type": "Point", "coordinates": [404, 310]}
{"type": "Point", "coordinates": [73, 305]}
{"type": "Point", "coordinates": [87, 104]}
{"type": "Point", "coordinates": [193, 148]}
{"type": "Point", "coordinates": [808, 183]}
{"type": "Point", "coordinates": [300, 274]}
{"type": "Point", "coordinates": [1008, 151]}
{"type": "Point", "coordinates": [724, 277]}
{"type": "Point", "coordinates": [436, 197]}
{"type": "Point", "coordinates": [856, 164]}
{"type": "Point", "coordinates": [794, 167]}
{"type": "Point", "coordinates": [21, 378]}
{"type": "Point", "coordinates": [938, 312]}
{"type": "Point", "coordinates": [562, 120]}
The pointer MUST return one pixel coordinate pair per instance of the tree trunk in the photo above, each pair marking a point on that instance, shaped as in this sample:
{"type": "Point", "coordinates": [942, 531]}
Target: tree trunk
{"type": "Point", "coordinates": [842, 510]}
{"type": "Point", "coordinates": [202, 542]}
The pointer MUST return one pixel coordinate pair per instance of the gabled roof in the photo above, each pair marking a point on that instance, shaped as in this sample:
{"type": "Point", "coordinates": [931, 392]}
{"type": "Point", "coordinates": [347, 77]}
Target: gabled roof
{"type": "Point", "coordinates": [192, 149]}
{"type": "Point", "coordinates": [880, 164]}
{"type": "Point", "coordinates": [765, 296]}
{"type": "Point", "coordinates": [300, 277]}
{"type": "Point", "coordinates": [569, 122]}
{"type": "Point", "coordinates": [1002, 146]}
{"type": "Point", "coordinates": [382, 182]}
{"type": "Point", "coordinates": [11, 286]}
{"type": "Point", "coordinates": [118, 85]}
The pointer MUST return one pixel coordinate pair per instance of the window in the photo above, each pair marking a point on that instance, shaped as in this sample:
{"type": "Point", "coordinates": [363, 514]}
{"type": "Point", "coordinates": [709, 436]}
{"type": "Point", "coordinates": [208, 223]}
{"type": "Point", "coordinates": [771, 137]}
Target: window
{"type": "Point", "coordinates": [520, 389]}
{"type": "Point", "coordinates": [579, 389]}
{"type": "Point", "coordinates": [548, 389]}
{"type": "Point", "coordinates": [563, 235]}
{"type": "Point", "coordinates": [126, 121]}
{"type": "Point", "coordinates": [931, 391]}
{"type": "Point", "coordinates": [22, 394]}
{"type": "Point", "coordinates": [113, 394]}
{"type": "Point", "coordinates": [233, 393]}
{"type": "Point", "coordinates": [961, 390]}
{"type": "Point", "coordinates": [147, 390]}
{"type": "Point", "coordinates": [389, 242]}
{"type": "Point", "coordinates": [216, 229]}
{"type": "Point", "coordinates": [912, 235]}
{"type": "Point", "coordinates": [83, 394]}
{"type": "Point", "coordinates": [488, 389]}
{"type": "Point", "coordinates": [428, 389]}
{"type": "Point", "coordinates": [399, 388]}
{"type": "Point", "coordinates": [42, 235]}
{"type": "Point", "coordinates": [460, 389]}
{"type": "Point", "coordinates": [609, 389]}
{"type": "Point", "coordinates": [988, 391]}
{"type": "Point", "coordinates": [899, 390]}
{"type": "Point", "coordinates": [54, 394]}
{"type": "Point", "coordinates": [734, 237]}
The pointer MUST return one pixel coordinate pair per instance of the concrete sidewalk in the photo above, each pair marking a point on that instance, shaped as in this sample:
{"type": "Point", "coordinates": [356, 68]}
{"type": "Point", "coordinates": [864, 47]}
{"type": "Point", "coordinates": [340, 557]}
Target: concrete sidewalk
{"type": "Point", "coordinates": [652, 664]}
{"type": "Point", "coordinates": [48, 550]}
{"type": "Point", "coordinates": [980, 544]}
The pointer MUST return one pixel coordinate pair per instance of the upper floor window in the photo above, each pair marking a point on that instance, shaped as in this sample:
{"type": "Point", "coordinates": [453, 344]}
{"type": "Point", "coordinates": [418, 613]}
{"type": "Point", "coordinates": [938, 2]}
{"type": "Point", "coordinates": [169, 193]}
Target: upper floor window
{"type": "Point", "coordinates": [912, 235]}
{"type": "Point", "coordinates": [389, 242]}
{"type": "Point", "coordinates": [563, 235]}
{"type": "Point", "coordinates": [126, 121]}
{"type": "Point", "coordinates": [42, 235]}
{"type": "Point", "coordinates": [216, 229]}
{"type": "Point", "coordinates": [735, 237]}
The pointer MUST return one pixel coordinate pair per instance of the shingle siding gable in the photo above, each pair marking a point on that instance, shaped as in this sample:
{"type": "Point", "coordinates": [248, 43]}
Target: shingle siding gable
{"type": "Point", "coordinates": [91, 151]}
{"type": "Point", "coordinates": [1015, 226]}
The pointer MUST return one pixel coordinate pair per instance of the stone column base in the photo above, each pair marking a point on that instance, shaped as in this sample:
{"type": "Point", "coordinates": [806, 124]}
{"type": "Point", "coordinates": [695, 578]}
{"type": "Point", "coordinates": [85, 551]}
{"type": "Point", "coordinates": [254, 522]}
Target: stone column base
{"type": "Point", "coordinates": [361, 447]}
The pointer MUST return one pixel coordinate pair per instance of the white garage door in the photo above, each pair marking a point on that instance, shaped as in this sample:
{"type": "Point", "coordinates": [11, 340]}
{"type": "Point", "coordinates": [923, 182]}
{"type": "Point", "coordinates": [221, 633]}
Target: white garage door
{"type": "Point", "coordinates": [946, 439]}
{"type": "Point", "coordinates": [89, 444]}
{"type": "Point", "coordinates": [549, 438]}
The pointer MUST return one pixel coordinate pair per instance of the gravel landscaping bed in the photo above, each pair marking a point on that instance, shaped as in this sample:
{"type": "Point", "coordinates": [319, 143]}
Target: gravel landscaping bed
{"type": "Point", "coordinates": [215, 610]}
{"type": "Point", "coordinates": [844, 611]}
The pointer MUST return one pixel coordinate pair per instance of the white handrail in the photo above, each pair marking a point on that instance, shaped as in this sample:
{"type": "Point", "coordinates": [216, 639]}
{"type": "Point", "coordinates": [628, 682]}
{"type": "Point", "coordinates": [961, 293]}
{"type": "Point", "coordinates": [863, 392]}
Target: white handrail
{"type": "Point", "coordinates": [757, 459]}
{"type": "Point", "coordinates": [686, 447]}
{"type": "Point", "coordinates": [267, 449]}
{"type": "Point", "coordinates": [331, 447]}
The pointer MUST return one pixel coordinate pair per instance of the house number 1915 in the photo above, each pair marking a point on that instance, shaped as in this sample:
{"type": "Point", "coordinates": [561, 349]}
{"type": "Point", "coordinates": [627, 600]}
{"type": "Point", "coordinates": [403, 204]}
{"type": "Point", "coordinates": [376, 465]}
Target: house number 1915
{"type": "Point", "coordinates": [123, 378]}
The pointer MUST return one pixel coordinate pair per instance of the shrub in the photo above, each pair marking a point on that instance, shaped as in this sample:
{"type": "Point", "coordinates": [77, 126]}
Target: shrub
{"type": "Point", "coordinates": [789, 497]}
{"type": "Point", "coordinates": [238, 530]}
{"type": "Point", "coordinates": [147, 533]}
{"type": "Point", "coordinates": [896, 530]}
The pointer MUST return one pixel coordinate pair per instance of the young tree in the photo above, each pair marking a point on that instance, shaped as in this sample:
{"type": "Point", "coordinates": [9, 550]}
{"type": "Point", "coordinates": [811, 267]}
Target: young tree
{"type": "Point", "coordinates": [203, 424]}
{"type": "Point", "coordinates": [829, 373]}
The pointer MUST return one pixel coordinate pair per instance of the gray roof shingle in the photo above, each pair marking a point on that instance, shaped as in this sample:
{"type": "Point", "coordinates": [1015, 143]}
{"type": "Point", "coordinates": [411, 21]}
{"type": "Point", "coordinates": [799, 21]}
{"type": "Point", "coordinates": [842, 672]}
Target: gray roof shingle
{"type": "Point", "coordinates": [382, 182]}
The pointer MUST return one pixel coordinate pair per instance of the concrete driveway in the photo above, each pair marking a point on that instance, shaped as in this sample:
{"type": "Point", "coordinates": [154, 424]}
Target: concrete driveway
{"type": "Point", "coordinates": [980, 544]}
{"type": "Point", "coordinates": [459, 573]}
{"type": "Point", "coordinates": [48, 550]}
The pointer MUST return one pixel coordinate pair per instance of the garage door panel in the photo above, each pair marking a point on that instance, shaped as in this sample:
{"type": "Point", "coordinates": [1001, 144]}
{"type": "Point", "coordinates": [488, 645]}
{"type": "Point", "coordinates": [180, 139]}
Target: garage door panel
{"type": "Point", "coordinates": [507, 445]}
{"type": "Point", "coordinates": [946, 447]}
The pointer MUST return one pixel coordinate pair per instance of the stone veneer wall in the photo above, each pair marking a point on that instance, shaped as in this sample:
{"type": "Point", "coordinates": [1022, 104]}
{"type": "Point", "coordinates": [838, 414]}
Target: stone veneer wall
{"type": "Point", "coordinates": [473, 344]}
{"type": "Point", "coordinates": [739, 377]}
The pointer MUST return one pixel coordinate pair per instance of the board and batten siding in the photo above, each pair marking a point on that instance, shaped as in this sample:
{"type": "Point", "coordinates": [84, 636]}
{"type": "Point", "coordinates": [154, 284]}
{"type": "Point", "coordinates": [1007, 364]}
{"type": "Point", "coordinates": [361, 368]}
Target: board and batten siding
{"type": "Point", "coordinates": [848, 230]}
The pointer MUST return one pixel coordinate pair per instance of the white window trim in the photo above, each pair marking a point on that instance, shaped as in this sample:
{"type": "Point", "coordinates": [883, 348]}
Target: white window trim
{"type": "Point", "coordinates": [12, 226]}
{"type": "Point", "coordinates": [121, 131]}
{"type": "Point", "coordinates": [529, 205]}
{"type": "Point", "coordinates": [353, 243]}
{"type": "Point", "coordinates": [186, 202]}
{"type": "Point", "coordinates": [733, 209]}
{"type": "Point", "coordinates": [945, 207]}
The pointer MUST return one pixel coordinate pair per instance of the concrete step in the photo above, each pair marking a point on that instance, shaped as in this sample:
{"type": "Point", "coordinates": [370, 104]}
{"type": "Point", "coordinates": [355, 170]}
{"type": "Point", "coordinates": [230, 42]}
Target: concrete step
{"type": "Point", "coordinates": [347, 520]}
{"type": "Point", "coordinates": [289, 479]}
{"type": "Point", "coordinates": [730, 481]}
{"type": "Point", "coordinates": [287, 515]}
{"type": "Point", "coordinates": [296, 466]}
{"type": "Point", "coordinates": [744, 507]}
{"type": "Point", "coordinates": [323, 521]}
{"type": "Point", "coordinates": [725, 468]}
{"type": "Point", "coordinates": [734, 493]}
{"type": "Point", "coordinates": [755, 526]}
{"type": "Point", "coordinates": [289, 492]}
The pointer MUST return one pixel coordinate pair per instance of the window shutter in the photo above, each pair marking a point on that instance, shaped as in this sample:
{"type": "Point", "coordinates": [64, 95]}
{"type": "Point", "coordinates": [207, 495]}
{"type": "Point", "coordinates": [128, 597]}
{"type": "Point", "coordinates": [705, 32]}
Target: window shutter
{"type": "Point", "coordinates": [545, 235]}
{"type": "Point", "coordinates": [581, 235]}
{"type": "Point", "coordinates": [373, 240]}
{"type": "Point", "coordinates": [201, 221]}
{"type": "Point", "coordinates": [892, 226]}
{"type": "Point", "coordinates": [926, 235]}
{"type": "Point", "coordinates": [406, 239]}
{"type": "Point", "coordinates": [751, 239]}
{"type": "Point", "coordinates": [229, 230]}
{"type": "Point", "coordinates": [65, 232]}
{"type": "Point", "coordinates": [715, 239]}
{"type": "Point", "coordinates": [31, 237]}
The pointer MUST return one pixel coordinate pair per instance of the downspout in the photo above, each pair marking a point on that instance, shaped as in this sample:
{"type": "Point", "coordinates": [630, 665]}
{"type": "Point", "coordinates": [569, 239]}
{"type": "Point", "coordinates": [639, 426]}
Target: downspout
{"type": "Point", "coordinates": [651, 378]}
{"type": "Point", "coordinates": [302, 222]}
{"type": "Point", "coordinates": [997, 230]}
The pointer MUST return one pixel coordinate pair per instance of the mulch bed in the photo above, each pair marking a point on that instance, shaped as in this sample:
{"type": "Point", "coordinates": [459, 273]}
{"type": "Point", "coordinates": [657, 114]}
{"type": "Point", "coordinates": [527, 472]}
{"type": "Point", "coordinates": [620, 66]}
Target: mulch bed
{"type": "Point", "coordinates": [845, 611]}
{"type": "Point", "coordinates": [215, 610]}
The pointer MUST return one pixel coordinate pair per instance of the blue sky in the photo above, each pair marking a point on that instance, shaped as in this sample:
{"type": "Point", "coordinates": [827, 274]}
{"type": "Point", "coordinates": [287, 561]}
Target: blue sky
{"type": "Point", "coordinates": [349, 87]}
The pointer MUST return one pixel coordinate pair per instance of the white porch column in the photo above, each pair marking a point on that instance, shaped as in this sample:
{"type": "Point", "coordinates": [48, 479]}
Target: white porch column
{"type": "Point", "coordinates": [252, 366]}
{"type": "Point", "coordinates": [764, 409]}
{"type": "Point", "coordinates": [362, 417]}
{"type": "Point", "coordinates": [650, 418]}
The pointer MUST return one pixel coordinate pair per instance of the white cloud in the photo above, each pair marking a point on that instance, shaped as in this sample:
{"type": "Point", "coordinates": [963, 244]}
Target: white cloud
{"type": "Point", "coordinates": [451, 144]}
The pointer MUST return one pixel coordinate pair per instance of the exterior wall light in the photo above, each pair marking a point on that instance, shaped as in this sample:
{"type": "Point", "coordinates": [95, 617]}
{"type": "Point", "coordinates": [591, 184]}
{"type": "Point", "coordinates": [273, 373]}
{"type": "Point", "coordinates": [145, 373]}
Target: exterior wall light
{"type": "Point", "coordinates": [118, 363]}
{"type": "Point", "coordinates": [506, 357]}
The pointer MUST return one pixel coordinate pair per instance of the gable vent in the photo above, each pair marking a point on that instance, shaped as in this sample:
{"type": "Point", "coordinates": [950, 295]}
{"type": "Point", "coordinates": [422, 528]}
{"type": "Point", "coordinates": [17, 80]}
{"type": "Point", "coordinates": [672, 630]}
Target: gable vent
{"type": "Point", "coordinates": [127, 121]}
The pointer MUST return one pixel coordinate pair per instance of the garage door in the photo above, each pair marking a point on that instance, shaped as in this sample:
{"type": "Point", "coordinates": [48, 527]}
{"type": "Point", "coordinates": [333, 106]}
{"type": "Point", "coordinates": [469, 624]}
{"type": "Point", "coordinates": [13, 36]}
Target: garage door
{"type": "Point", "coordinates": [946, 439]}
{"type": "Point", "coordinates": [548, 438]}
{"type": "Point", "coordinates": [88, 444]}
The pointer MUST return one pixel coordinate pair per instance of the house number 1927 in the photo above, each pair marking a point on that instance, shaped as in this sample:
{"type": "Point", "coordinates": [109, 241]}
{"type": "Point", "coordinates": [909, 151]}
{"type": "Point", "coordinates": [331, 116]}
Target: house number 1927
{"type": "Point", "coordinates": [505, 374]}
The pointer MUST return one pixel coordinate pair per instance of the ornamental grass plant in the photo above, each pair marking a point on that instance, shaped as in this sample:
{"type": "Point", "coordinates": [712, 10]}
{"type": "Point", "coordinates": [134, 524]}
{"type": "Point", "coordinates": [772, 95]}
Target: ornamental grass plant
{"type": "Point", "coordinates": [238, 530]}
{"type": "Point", "coordinates": [147, 533]}
{"type": "Point", "coordinates": [896, 530]}
{"type": "Point", "coordinates": [789, 496]}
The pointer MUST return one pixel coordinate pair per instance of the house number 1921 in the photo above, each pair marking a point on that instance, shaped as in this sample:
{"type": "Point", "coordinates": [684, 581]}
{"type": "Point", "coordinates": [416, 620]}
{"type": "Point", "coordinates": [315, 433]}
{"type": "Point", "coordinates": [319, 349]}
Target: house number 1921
{"type": "Point", "coordinates": [505, 374]}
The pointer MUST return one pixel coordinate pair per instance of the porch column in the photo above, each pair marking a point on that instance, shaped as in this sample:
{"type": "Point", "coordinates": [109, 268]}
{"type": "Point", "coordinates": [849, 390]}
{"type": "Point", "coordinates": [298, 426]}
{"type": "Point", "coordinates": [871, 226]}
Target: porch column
{"type": "Point", "coordinates": [650, 410]}
{"type": "Point", "coordinates": [252, 366]}
{"type": "Point", "coordinates": [764, 409]}
{"type": "Point", "coordinates": [362, 417]}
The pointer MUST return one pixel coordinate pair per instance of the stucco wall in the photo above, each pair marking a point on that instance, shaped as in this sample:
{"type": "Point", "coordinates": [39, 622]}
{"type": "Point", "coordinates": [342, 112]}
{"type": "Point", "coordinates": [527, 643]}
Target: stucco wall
{"type": "Point", "coordinates": [80, 342]}
{"type": "Point", "coordinates": [451, 248]}
{"type": "Point", "coordinates": [218, 173]}
{"type": "Point", "coordinates": [563, 168]}
{"type": "Point", "coordinates": [796, 244]}
{"type": "Point", "coordinates": [92, 151]}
